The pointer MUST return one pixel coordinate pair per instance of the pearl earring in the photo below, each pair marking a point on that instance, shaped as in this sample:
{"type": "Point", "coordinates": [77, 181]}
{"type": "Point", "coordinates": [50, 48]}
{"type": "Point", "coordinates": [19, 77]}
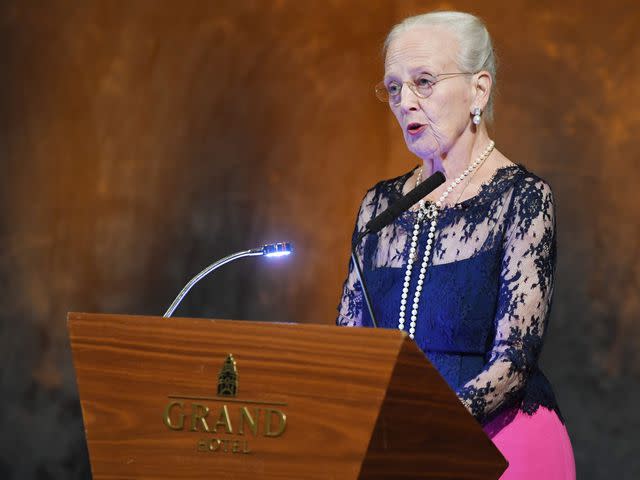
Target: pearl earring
{"type": "Point", "coordinates": [476, 116]}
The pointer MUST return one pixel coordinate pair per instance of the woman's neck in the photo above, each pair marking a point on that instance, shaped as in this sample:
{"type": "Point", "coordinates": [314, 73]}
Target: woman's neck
{"type": "Point", "coordinates": [453, 162]}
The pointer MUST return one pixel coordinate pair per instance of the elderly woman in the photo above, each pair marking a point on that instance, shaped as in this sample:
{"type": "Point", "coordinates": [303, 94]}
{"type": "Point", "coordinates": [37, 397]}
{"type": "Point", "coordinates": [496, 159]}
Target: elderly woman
{"type": "Point", "coordinates": [468, 272]}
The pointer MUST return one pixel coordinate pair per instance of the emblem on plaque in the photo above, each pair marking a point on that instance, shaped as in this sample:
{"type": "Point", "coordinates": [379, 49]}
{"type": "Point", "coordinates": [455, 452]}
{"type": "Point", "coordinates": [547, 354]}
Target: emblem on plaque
{"type": "Point", "coordinates": [228, 378]}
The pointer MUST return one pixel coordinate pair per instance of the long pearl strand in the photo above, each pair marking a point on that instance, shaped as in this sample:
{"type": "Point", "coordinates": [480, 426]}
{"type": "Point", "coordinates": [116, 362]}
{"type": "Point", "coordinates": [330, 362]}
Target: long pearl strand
{"type": "Point", "coordinates": [430, 213]}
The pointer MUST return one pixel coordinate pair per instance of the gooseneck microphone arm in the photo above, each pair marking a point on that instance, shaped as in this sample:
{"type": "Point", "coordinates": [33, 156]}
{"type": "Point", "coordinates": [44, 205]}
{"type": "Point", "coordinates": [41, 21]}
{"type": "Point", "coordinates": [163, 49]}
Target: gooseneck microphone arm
{"type": "Point", "coordinates": [273, 249]}
{"type": "Point", "coordinates": [384, 219]}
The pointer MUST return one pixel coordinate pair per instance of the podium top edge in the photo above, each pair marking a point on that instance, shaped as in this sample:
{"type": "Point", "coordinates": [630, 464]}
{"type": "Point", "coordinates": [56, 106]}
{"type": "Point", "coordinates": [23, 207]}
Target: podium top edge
{"type": "Point", "coordinates": [73, 317]}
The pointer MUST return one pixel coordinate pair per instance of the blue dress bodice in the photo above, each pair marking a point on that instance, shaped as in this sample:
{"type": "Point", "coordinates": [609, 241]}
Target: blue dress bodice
{"type": "Point", "coordinates": [452, 332]}
{"type": "Point", "coordinates": [487, 292]}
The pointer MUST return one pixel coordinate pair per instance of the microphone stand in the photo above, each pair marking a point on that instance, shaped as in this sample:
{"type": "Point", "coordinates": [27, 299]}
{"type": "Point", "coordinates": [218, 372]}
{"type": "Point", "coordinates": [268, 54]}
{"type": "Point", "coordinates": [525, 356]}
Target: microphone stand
{"type": "Point", "coordinates": [365, 292]}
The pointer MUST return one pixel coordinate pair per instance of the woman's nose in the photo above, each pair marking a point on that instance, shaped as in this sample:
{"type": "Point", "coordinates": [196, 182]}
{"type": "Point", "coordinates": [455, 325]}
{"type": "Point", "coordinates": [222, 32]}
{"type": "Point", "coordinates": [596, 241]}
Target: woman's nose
{"type": "Point", "coordinates": [408, 99]}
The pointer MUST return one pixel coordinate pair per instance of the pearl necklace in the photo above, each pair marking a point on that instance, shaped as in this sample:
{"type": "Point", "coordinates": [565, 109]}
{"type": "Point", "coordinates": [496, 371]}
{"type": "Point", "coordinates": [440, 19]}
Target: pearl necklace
{"type": "Point", "coordinates": [430, 213]}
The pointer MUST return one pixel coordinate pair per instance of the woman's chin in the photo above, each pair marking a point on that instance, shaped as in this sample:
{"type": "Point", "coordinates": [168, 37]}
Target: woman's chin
{"type": "Point", "coordinates": [423, 148]}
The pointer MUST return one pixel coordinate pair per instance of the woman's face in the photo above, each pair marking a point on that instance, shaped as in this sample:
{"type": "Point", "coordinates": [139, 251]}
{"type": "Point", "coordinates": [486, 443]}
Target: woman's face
{"type": "Point", "coordinates": [445, 114]}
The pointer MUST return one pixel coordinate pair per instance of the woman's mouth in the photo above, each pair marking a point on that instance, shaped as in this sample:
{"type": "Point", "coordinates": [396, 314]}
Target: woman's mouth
{"type": "Point", "coordinates": [415, 128]}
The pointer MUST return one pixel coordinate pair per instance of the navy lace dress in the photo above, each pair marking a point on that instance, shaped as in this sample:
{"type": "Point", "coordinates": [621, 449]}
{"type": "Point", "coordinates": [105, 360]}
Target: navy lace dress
{"type": "Point", "coordinates": [486, 298]}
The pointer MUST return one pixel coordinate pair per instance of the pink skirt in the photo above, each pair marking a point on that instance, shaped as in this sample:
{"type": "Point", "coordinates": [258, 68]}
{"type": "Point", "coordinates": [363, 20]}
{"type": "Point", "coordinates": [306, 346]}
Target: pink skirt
{"type": "Point", "coordinates": [536, 446]}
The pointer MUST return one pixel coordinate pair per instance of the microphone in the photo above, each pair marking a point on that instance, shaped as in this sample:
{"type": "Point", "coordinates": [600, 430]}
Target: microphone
{"type": "Point", "coordinates": [385, 218]}
{"type": "Point", "coordinates": [403, 204]}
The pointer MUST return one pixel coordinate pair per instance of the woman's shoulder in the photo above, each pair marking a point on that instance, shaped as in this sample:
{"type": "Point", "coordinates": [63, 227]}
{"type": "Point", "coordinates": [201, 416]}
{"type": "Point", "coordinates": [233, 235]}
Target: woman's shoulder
{"type": "Point", "coordinates": [392, 186]}
{"type": "Point", "coordinates": [531, 200]}
{"type": "Point", "coordinates": [531, 188]}
{"type": "Point", "coordinates": [522, 181]}
{"type": "Point", "coordinates": [387, 190]}
{"type": "Point", "coordinates": [379, 197]}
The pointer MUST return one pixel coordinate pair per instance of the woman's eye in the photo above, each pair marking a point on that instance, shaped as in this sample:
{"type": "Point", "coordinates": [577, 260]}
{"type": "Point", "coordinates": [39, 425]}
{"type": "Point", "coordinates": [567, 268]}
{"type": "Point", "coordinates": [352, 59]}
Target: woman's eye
{"type": "Point", "coordinates": [424, 81]}
{"type": "Point", "coordinates": [393, 88]}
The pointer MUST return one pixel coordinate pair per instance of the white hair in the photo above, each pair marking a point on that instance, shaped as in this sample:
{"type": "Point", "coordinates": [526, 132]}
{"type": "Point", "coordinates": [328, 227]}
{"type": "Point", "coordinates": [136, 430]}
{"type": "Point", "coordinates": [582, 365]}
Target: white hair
{"type": "Point", "coordinates": [476, 49]}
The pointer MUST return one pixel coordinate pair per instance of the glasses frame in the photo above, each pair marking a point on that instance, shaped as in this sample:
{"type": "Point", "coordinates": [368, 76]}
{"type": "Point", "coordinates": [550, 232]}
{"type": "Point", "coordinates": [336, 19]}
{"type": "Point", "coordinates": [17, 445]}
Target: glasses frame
{"type": "Point", "coordinates": [382, 93]}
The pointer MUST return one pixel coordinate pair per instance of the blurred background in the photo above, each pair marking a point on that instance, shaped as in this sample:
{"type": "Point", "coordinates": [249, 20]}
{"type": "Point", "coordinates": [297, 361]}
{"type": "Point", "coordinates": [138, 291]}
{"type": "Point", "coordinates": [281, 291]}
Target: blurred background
{"type": "Point", "coordinates": [141, 140]}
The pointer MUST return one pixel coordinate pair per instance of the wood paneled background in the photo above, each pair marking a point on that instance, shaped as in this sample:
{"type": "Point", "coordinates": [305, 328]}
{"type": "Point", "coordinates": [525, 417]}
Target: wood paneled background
{"type": "Point", "coordinates": [141, 140]}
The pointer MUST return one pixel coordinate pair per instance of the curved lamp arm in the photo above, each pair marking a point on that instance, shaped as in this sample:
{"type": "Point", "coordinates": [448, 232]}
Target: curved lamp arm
{"type": "Point", "coordinates": [270, 250]}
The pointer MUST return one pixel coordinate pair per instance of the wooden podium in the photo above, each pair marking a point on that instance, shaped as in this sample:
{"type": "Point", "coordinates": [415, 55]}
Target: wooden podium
{"type": "Point", "coordinates": [186, 398]}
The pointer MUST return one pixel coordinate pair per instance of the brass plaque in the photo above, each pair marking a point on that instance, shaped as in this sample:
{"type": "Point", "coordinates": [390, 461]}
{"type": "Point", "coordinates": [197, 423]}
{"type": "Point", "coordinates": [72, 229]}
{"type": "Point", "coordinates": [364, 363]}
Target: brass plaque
{"type": "Point", "coordinates": [232, 420]}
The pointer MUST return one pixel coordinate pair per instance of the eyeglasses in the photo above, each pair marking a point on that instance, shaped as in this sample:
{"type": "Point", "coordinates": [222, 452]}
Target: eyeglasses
{"type": "Point", "coordinates": [422, 87]}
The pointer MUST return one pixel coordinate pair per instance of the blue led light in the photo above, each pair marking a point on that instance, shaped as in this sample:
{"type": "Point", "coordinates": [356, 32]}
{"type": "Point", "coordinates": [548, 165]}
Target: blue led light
{"type": "Point", "coordinates": [277, 254]}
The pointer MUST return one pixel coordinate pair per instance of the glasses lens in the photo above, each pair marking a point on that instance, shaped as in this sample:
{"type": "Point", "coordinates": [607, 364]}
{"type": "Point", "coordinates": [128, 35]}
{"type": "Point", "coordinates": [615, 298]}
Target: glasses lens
{"type": "Point", "coordinates": [382, 93]}
{"type": "Point", "coordinates": [393, 91]}
{"type": "Point", "coordinates": [424, 85]}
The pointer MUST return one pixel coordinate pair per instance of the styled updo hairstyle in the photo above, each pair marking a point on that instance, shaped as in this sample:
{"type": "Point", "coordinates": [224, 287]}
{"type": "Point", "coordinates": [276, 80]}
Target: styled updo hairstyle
{"type": "Point", "coordinates": [476, 49]}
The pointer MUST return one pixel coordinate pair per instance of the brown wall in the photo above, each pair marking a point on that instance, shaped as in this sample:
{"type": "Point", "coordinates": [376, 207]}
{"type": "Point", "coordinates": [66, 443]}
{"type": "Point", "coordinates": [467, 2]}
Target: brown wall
{"type": "Point", "coordinates": [141, 140]}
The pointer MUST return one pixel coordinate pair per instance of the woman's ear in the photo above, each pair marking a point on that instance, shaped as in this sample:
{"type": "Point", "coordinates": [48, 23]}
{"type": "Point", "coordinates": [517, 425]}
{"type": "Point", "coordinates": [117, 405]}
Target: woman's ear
{"type": "Point", "coordinates": [482, 83]}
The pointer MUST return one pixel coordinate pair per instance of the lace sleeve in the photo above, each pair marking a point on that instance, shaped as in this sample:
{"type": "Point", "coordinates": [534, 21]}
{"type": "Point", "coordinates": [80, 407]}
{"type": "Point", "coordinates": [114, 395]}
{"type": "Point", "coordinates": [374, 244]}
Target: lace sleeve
{"type": "Point", "coordinates": [526, 288]}
{"type": "Point", "coordinates": [351, 303]}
